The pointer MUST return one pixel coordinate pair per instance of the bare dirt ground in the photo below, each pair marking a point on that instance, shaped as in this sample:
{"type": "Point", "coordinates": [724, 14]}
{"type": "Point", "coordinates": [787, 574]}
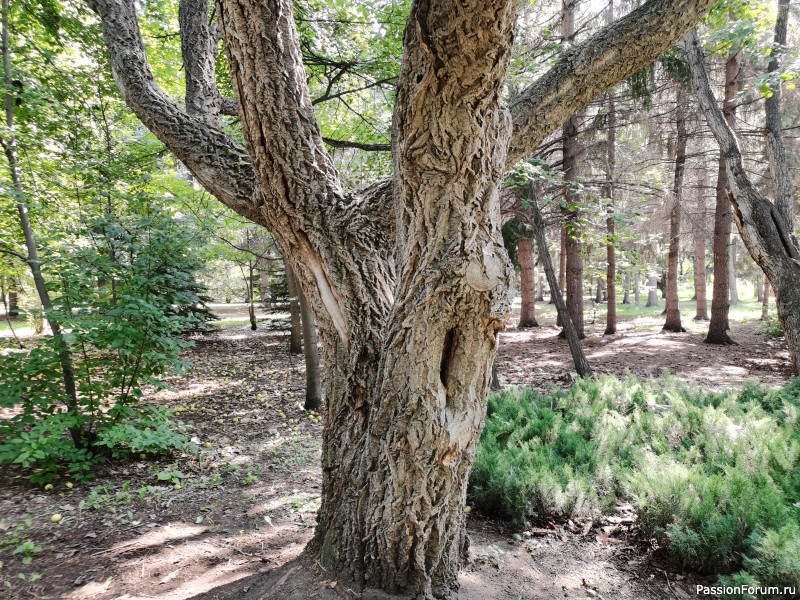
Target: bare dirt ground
{"type": "Point", "coordinates": [234, 518]}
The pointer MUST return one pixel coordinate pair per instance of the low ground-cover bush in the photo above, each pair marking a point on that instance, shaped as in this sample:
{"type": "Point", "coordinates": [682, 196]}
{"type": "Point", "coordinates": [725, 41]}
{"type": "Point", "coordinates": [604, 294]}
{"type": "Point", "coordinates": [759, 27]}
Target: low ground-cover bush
{"type": "Point", "coordinates": [714, 477]}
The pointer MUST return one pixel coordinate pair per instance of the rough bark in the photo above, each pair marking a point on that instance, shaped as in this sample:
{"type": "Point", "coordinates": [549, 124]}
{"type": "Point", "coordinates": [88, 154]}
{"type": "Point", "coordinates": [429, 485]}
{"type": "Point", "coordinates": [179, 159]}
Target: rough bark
{"type": "Point", "coordinates": [699, 231]}
{"type": "Point", "coordinates": [198, 49]}
{"type": "Point", "coordinates": [760, 224]}
{"type": "Point", "coordinates": [408, 279]}
{"type": "Point", "coordinates": [720, 300]}
{"type": "Point", "coordinates": [673, 320]}
{"type": "Point", "coordinates": [527, 315]}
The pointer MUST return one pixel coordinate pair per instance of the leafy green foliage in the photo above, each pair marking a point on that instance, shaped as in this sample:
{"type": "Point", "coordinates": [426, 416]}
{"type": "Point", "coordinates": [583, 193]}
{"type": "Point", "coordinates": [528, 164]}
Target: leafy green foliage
{"type": "Point", "coordinates": [713, 476]}
{"type": "Point", "coordinates": [120, 303]}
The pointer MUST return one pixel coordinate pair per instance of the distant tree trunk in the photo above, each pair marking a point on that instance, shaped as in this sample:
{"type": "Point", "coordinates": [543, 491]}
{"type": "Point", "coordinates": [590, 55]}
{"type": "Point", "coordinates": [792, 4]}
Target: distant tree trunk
{"type": "Point", "coordinates": [611, 160]}
{"type": "Point", "coordinates": [527, 315]}
{"type": "Point", "coordinates": [732, 285]}
{"type": "Point", "coordinates": [263, 280]}
{"type": "Point", "coordinates": [765, 300]}
{"type": "Point", "coordinates": [562, 268]}
{"type": "Point", "coordinates": [758, 290]}
{"type": "Point", "coordinates": [720, 301]}
{"type": "Point", "coordinates": [579, 358]}
{"type": "Point", "coordinates": [626, 284]}
{"type": "Point", "coordinates": [311, 352]}
{"type": "Point", "coordinates": [570, 164]}
{"type": "Point", "coordinates": [539, 283]}
{"type": "Point", "coordinates": [13, 303]}
{"type": "Point", "coordinates": [673, 320]}
{"type": "Point", "coordinates": [598, 293]}
{"type": "Point", "coordinates": [652, 289]}
{"type": "Point", "coordinates": [7, 313]}
{"type": "Point", "coordinates": [701, 313]}
{"type": "Point", "coordinates": [251, 282]}
{"type": "Point", "coordinates": [295, 322]}
{"type": "Point", "coordinates": [636, 287]}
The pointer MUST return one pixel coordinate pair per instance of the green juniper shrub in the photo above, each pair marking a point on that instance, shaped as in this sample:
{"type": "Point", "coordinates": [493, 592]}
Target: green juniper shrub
{"type": "Point", "coordinates": [714, 477]}
{"type": "Point", "coordinates": [119, 302]}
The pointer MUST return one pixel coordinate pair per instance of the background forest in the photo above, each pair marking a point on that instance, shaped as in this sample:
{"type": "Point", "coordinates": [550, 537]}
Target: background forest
{"type": "Point", "coordinates": [160, 378]}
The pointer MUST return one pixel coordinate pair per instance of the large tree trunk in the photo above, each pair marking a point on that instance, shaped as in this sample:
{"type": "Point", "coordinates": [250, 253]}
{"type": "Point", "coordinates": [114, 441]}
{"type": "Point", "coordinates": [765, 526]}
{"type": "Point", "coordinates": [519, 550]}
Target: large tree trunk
{"type": "Point", "coordinates": [720, 301]}
{"type": "Point", "coordinates": [408, 281]}
{"type": "Point", "coordinates": [527, 315]}
{"type": "Point", "coordinates": [673, 320]}
{"type": "Point", "coordinates": [760, 223]}
{"type": "Point", "coordinates": [699, 231]}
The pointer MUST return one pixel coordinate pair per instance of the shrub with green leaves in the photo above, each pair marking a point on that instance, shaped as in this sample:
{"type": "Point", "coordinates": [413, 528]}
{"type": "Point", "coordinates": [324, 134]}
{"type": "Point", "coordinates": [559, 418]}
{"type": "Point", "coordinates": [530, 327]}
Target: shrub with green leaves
{"type": "Point", "coordinates": [714, 477]}
{"type": "Point", "coordinates": [121, 302]}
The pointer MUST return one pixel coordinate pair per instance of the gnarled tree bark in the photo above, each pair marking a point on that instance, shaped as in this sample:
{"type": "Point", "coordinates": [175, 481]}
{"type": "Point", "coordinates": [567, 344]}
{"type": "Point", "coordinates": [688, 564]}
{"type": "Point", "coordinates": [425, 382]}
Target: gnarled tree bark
{"type": "Point", "coordinates": [407, 279]}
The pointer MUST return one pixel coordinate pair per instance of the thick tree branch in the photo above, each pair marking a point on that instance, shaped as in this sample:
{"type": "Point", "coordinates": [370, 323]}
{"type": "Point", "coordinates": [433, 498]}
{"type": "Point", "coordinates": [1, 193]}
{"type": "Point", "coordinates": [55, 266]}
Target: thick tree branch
{"type": "Point", "coordinates": [198, 49]}
{"type": "Point", "coordinates": [219, 163]}
{"type": "Point", "coordinates": [590, 68]}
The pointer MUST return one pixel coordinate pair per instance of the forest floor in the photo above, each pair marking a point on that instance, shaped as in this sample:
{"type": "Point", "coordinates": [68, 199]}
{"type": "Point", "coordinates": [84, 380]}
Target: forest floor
{"type": "Point", "coordinates": [244, 506]}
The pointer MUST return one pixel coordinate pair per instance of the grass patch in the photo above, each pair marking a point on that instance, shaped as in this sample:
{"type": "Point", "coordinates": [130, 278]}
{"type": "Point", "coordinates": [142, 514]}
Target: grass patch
{"type": "Point", "coordinates": [714, 477]}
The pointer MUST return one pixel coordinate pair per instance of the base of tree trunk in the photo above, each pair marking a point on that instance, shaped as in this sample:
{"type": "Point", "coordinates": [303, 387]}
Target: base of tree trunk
{"type": "Point", "coordinates": [672, 329]}
{"type": "Point", "coordinates": [700, 318]}
{"type": "Point", "coordinates": [527, 323]}
{"type": "Point", "coordinates": [720, 340]}
{"type": "Point", "coordinates": [299, 579]}
{"type": "Point", "coordinates": [562, 334]}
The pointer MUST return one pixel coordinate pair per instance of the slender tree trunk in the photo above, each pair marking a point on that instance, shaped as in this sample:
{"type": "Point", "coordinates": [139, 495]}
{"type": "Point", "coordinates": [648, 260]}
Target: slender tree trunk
{"type": "Point", "coordinates": [562, 267]}
{"type": "Point", "coordinates": [636, 287]}
{"type": "Point", "coordinates": [626, 283]}
{"type": "Point", "coordinates": [295, 321]}
{"type": "Point", "coordinates": [732, 285]}
{"type": "Point", "coordinates": [13, 302]}
{"type": "Point", "coordinates": [673, 320]}
{"type": "Point", "coordinates": [720, 301]}
{"type": "Point", "coordinates": [251, 282]}
{"type": "Point", "coordinates": [699, 231]}
{"type": "Point", "coordinates": [311, 352]}
{"type": "Point", "coordinates": [578, 357]}
{"type": "Point", "coordinates": [527, 315]}
{"type": "Point", "coordinates": [7, 312]}
{"type": "Point", "coordinates": [765, 300]}
{"type": "Point", "coordinates": [611, 165]}
{"type": "Point", "coordinates": [539, 282]}
{"type": "Point", "coordinates": [652, 289]}
{"type": "Point", "coordinates": [758, 291]}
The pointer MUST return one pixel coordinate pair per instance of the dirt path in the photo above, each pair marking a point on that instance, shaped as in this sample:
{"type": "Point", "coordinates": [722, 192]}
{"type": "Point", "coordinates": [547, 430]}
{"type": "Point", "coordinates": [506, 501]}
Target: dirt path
{"type": "Point", "coordinates": [245, 504]}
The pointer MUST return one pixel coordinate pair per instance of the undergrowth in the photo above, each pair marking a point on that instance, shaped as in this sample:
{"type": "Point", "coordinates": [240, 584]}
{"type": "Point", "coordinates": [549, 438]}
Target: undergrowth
{"type": "Point", "coordinates": [714, 477]}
